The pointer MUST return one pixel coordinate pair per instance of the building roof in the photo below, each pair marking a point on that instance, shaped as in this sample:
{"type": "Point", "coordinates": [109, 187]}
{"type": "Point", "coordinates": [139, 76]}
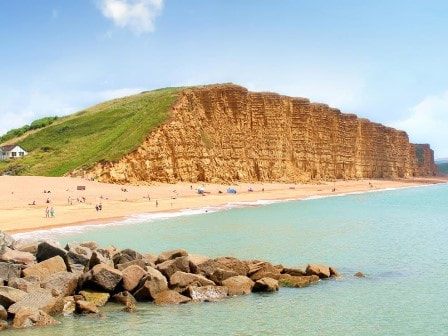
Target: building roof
{"type": "Point", "coordinates": [7, 148]}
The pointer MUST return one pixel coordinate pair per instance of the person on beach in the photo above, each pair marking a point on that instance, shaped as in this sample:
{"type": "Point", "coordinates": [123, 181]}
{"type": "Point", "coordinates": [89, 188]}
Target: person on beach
{"type": "Point", "coordinates": [157, 203]}
{"type": "Point", "coordinates": [47, 213]}
{"type": "Point", "coordinates": [97, 208]}
{"type": "Point", "coordinates": [52, 212]}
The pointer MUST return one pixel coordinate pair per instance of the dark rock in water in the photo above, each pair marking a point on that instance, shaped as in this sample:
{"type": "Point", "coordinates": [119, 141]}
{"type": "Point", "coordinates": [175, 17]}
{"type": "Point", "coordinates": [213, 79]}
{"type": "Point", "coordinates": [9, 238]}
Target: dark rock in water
{"type": "Point", "coordinates": [238, 285]}
{"type": "Point", "coordinates": [322, 272]}
{"type": "Point", "coordinates": [334, 273]}
{"type": "Point", "coordinates": [286, 280]}
{"type": "Point", "coordinates": [9, 296]}
{"type": "Point", "coordinates": [125, 298]}
{"type": "Point", "coordinates": [151, 285]}
{"type": "Point", "coordinates": [78, 259]}
{"type": "Point", "coordinates": [125, 256]}
{"type": "Point", "coordinates": [359, 275]}
{"type": "Point", "coordinates": [266, 285]}
{"type": "Point", "coordinates": [293, 271]}
{"type": "Point", "coordinates": [219, 275]}
{"type": "Point", "coordinates": [27, 284]}
{"type": "Point", "coordinates": [139, 262]}
{"type": "Point", "coordinates": [27, 317]}
{"type": "Point", "coordinates": [6, 241]}
{"type": "Point", "coordinates": [3, 313]}
{"type": "Point", "coordinates": [105, 277]}
{"type": "Point", "coordinates": [46, 251]}
{"type": "Point", "coordinates": [232, 264]}
{"type": "Point", "coordinates": [132, 277]}
{"type": "Point", "coordinates": [42, 299]}
{"type": "Point", "coordinates": [170, 255]}
{"type": "Point", "coordinates": [46, 268]}
{"type": "Point", "coordinates": [207, 293]}
{"type": "Point", "coordinates": [263, 270]}
{"type": "Point", "coordinates": [17, 257]}
{"type": "Point", "coordinates": [9, 271]}
{"type": "Point", "coordinates": [183, 280]}
{"type": "Point", "coordinates": [169, 267]}
{"type": "Point", "coordinates": [64, 282]}
{"type": "Point", "coordinates": [86, 307]}
{"type": "Point", "coordinates": [170, 297]}
{"type": "Point", "coordinates": [99, 299]}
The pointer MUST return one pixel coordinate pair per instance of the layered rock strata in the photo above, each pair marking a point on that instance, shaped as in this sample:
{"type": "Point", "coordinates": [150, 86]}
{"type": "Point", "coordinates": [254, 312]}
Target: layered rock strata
{"type": "Point", "coordinates": [224, 133]}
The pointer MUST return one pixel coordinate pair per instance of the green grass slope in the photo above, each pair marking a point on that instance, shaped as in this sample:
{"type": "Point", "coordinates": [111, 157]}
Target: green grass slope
{"type": "Point", "coordinates": [105, 132]}
{"type": "Point", "coordinates": [443, 167]}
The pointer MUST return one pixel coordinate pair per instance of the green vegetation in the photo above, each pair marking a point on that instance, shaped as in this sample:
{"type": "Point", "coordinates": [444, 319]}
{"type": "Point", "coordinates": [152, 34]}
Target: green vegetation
{"type": "Point", "coordinates": [105, 132]}
{"type": "Point", "coordinates": [420, 154]}
{"type": "Point", "coordinates": [36, 124]}
{"type": "Point", "coordinates": [443, 167]}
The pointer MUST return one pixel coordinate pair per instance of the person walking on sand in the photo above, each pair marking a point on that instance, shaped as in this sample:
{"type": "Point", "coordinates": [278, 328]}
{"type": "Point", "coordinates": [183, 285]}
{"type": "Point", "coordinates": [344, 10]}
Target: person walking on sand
{"type": "Point", "coordinates": [157, 203]}
{"type": "Point", "coordinates": [52, 212]}
{"type": "Point", "coordinates": [47, 213]}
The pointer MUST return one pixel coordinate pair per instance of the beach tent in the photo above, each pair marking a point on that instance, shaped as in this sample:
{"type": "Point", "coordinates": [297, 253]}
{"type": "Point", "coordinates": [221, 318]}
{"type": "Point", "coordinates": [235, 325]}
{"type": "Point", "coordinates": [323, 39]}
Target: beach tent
{"type": "Point", "coordinates": [231, 191]}
{"type": "Point", "coordinates": [200, 191]}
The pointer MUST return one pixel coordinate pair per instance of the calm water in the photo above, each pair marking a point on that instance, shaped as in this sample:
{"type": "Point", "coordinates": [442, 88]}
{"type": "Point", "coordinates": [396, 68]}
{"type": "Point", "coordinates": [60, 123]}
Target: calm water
{"type": "Point", "coordinates": [398, 238]}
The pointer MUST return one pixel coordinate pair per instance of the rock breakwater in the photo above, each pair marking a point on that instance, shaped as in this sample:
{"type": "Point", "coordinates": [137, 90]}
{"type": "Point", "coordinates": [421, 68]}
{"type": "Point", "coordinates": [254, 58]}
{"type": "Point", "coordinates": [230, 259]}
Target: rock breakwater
{"type": "Point", "coordinates": [82, 277]}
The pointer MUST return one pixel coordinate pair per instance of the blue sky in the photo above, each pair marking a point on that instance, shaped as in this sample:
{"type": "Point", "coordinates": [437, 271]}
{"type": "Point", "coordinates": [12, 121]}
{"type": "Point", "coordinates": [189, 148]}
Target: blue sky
{"type": "Point", "coordinates": [384, 60]}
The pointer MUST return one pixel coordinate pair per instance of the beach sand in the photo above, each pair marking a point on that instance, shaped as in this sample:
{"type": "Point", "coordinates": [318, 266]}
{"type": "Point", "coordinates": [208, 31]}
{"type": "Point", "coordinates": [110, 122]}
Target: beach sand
{"type": "Point", "coordinates": [17, 193]}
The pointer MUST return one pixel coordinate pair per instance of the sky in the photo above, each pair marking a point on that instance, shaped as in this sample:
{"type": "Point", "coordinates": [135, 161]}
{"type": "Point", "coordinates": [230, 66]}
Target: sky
{"type": "Point", "coordinates": [385, 60]}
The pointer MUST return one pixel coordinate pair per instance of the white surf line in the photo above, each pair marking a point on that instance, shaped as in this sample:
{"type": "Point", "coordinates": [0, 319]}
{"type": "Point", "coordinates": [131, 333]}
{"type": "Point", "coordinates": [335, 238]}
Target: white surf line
{"type": "Point", "coordinates": [53, 233]}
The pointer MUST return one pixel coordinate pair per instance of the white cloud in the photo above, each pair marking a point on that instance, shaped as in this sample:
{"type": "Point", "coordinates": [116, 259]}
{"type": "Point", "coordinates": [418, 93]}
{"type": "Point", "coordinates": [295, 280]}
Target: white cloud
{"type": "Point", "coordinates": [428, 123]}
{"type": "Point", "coordinates": [137, 15]}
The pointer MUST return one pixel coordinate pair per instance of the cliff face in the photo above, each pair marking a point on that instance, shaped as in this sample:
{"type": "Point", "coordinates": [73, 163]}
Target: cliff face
{"type": "Point", "coordinates": [224, 133]}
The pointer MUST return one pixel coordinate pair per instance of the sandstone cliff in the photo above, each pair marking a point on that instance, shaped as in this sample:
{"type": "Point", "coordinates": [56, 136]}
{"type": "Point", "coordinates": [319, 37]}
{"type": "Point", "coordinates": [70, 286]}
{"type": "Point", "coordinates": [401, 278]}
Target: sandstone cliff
{"type": "Point", "coordinates": [224, 133]}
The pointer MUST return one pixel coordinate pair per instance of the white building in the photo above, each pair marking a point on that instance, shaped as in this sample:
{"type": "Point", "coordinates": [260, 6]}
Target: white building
{"type": "Point", "coordinates": [11, 152]}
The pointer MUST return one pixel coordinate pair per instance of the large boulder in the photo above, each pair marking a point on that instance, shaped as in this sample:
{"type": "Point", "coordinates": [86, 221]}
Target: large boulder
{"type": "Point", "coordinates": [46, 268]}
{"type": "Point", "coordinates": [169, 267]}
{"type": "Point", "coordinates": [125, 256]}
{"type": "Point", "coordinates": [293, 271]}
{"type": "Point", "coordinates": [170, 255]}
{"type": "Point", "coordinates": [219, 275]}
{"type": "Point", "coordinates": [322, 272]}
{"type": "Point", "coordinates": [43, 299]}
{"type": "Point", "coordinates": [64, 282]}
{"type": "Point", "coordinates": [3, 325]}
{"type": "Point", "coordinates": [9, 296]}
{"type": "Point", "coordinates": [105, 277]}
{"type": "Point", "coordinates": [27, 317]}
{"type": "Point", "coordinates": [17, 257]}
{"type": "Point", "coordinates": [78, 259]}
{"type": "Point", "coordinates": [170, 297]}
{"type": "Point", "coordinates": [27, 284]}
{"type": "Point", "coordinates": [27, 247]}
{"type": "Point", "coordinates": [69, 306]}
{"type": "Point", "coordinates": [137, 262]}
{"type": "Point", "coordinates": [6, 241]}
{"type": "Point", "coordinates": [132, 276]}
{"type": "Point", "coordinates": [263, 270]}
{"type": "Point", "coordinates": [152, 284]}
{"type": "Point", "coordinates": [99, 299]}
{"type": "Point", "coordinates": [238, 285]}
{"type": "Point", "coordinates": [334, 273]}
{"type": "Point", "coordinates": [91, 245]}
{"type": "Point", "coordinates": [9, 271]}
{"type": "Point", "coordinates": [266, 285]}
{"type": "Point", "coordinates": [183, 280]}
{"type": "Point", "coordinates": [207, 268]}
{"type": "Point", "coordinates": [86, 307]}
{"type": "Point", "coordinates": [47, 250]}
{"type": "Point", "coordinates": [151, 258]}
{"type": "Point", "coordinates": [232, 264]}
{"type": "Point", "coordinates": [207, 293]}
{"type": "Point", "coordinates": [286, 280]}
{"type": "Point", "coordinates": [100, 256]}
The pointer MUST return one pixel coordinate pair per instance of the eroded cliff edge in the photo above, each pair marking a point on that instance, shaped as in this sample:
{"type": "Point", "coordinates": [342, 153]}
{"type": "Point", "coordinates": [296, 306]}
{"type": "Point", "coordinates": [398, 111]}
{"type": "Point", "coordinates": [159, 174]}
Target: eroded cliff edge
{"type": "Point", "coordinates": [224, 133]}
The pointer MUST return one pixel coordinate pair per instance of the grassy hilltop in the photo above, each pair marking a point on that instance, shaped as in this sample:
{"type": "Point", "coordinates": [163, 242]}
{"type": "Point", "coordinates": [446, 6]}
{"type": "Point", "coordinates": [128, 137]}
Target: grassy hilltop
{"type": "Point", "coordinates": [443, 167]}
{"type": "Point", "coordinates": [105, 132]}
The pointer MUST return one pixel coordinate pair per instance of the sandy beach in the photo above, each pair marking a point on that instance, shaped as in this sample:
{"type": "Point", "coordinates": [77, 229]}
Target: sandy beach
{"type": "Point", "coordinates": [75, 207]}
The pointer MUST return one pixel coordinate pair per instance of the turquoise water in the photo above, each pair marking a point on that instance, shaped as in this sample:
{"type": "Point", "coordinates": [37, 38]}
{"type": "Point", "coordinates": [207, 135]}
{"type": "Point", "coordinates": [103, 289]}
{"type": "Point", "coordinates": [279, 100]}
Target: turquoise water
{"type": "Point", "coordinates": [398, 238]}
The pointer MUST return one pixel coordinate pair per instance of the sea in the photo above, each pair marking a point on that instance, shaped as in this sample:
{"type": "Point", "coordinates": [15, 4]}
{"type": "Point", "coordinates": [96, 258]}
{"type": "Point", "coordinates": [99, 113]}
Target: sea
{"type": "Point", "coordinates": [397, 238]}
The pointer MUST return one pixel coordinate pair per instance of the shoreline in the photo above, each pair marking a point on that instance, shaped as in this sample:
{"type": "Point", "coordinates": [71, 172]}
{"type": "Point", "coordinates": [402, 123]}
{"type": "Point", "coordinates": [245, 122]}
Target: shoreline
{"type": "Point", "coordinates": [136, 210]}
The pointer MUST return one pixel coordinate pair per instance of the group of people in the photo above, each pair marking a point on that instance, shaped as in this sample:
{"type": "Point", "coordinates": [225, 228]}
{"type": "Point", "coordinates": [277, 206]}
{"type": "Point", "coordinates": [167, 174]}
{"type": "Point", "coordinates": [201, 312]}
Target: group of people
{"type": "Point", "coordinates": [49, 212]}
{"type": "Point", "coordinates": [99, 207]}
